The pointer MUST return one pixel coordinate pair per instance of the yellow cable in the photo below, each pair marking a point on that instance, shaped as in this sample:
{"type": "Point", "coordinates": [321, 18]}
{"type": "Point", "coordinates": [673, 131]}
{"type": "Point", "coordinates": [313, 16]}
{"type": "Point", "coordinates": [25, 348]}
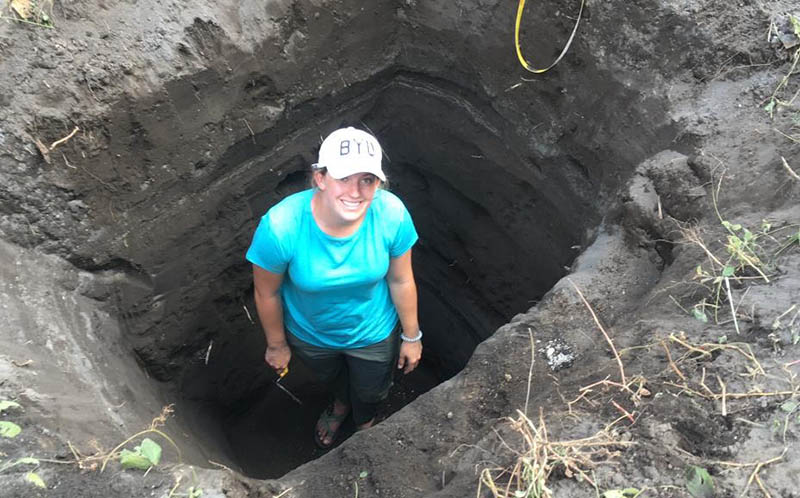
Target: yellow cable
{"type": "Point", "coordinates": [563, 52]}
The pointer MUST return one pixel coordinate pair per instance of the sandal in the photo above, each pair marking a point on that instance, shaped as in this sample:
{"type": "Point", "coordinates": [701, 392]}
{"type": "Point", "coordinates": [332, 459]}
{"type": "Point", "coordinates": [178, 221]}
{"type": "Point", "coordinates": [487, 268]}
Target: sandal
{"type": "Point", "coordinates": [371, 423]}
{"type": "Point", "coordinates": [326, 418]}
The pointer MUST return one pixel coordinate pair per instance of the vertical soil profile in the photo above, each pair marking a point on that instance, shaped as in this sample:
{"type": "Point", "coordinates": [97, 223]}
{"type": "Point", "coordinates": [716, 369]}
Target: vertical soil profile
{"type": "Point", "coordinates": [476, 221]}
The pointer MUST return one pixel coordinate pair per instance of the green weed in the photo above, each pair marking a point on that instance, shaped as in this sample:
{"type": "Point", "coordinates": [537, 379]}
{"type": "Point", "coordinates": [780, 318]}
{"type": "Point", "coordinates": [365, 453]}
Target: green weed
{"type": "Point", "coordinates": [33, 478]}
{"type": "Point", "coordinates": [774, 103]}
{"type": "Point", "coordinates": [148, 452]}
{"type": "Point", "coordinates": [789, 416]}
{"type": "Point", "coordinates": [699, 482]}
{"type": "Point", "coordinates": [6, 405]}
{"type": "Point", "coordinates": [10, 430]}
{"type": "Point", "coordinates": [144, 456]}
{"type": "Point", "coordinates": [746, 254]}
{"type": "Point", "coordinates": [791, 240]}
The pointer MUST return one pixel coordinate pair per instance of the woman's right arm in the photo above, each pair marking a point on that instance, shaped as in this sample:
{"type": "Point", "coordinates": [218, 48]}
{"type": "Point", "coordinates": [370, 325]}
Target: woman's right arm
{"type": "Point", "coordinates": [270, 312]}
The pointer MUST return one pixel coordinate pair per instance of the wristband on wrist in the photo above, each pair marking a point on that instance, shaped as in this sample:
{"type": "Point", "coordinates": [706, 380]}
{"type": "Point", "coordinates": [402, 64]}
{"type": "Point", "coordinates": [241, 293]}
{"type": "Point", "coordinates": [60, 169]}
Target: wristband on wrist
{"type": "Point", "coordinates": [412, 339]}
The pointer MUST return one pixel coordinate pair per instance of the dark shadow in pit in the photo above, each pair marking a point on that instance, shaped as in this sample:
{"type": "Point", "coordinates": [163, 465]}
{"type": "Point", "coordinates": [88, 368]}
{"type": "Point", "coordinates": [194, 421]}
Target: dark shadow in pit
{"type": "Point", "coordinates": [272, 434]}
{"type": "Point", "coordinates": [261, 430]}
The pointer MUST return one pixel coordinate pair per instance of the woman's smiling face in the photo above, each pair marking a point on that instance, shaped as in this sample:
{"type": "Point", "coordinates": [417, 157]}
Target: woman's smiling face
{"type": "Point", "coordinates": [346, 200]}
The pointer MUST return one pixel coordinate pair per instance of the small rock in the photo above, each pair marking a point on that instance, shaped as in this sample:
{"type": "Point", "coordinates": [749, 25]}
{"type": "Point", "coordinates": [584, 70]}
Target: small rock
{"type": "Point", "coordinates": [76, 206]}
{"type": "Point", "coordinates": [558, 354]}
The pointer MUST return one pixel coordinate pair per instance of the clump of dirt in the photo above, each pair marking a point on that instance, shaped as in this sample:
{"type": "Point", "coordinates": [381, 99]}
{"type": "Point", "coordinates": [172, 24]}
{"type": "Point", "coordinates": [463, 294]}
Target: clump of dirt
{"type": "Point", "coordinates": [608, 254]}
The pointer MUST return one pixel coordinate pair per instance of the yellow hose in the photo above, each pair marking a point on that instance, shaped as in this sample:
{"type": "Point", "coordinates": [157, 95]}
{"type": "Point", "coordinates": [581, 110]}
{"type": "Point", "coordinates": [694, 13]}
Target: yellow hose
{"type": "Point", "coordinates": [563, 52]}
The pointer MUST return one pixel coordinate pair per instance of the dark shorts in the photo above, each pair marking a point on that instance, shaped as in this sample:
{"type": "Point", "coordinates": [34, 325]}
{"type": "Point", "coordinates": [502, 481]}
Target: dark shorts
{"type": "Point", "coordinates": [360, 377]}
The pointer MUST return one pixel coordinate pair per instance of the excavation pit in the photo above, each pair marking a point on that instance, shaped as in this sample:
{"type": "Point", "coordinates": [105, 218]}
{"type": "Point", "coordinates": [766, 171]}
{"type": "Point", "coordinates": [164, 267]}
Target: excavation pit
{"type": "Point", "coordinates": [494, 237]}
{"type": "Point", "coordinates": [501, 205]}
{"type": "Point", "coordinates": [507, 181]}
{"type": "Point", "coordinates": [141, 141]}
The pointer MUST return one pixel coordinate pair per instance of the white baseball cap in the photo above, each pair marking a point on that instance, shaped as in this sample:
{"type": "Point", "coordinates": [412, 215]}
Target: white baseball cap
{"type": "Point", "coordinates": [348, 151]}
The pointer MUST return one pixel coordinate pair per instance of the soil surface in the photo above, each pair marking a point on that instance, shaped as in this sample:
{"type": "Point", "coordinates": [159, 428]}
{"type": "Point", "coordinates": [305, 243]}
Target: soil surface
{"type": "Point", "coordinates": [609, 263]}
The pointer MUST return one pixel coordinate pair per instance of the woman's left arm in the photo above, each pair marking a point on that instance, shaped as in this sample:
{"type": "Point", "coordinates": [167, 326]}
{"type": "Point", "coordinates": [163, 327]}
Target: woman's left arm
{"type": "Point", "coordinates": [403, 290]}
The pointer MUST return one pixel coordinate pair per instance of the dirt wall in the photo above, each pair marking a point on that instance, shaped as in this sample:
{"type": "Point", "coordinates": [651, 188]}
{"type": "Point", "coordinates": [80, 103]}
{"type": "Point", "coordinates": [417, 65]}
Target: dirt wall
{"type": "Point", "coordinates": [194, 118]}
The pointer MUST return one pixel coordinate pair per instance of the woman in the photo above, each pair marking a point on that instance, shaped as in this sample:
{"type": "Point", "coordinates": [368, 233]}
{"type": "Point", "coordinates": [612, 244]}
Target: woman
{"type": "Point", "coordinates": [332, 273]}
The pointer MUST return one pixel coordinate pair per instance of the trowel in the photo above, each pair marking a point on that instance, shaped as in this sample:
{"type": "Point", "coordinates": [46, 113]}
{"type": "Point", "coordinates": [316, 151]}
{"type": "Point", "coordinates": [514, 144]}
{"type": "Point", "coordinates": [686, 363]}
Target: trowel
{"type": "Point", "coordinates": [278, 383]}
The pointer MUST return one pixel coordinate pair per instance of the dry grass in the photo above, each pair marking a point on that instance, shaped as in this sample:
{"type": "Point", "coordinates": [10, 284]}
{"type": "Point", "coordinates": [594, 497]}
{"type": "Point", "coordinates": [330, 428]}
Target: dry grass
{"type": "Point", "coordinates": [635, 388]}
{"type": "Point", "coordinates": [755, 373]}
{"type": "Point", "coordinates": [541, 457]}
{"type": "Point", "coordinates": [692, 368]}
{"type": "Point", "coordinates": [754, 477]}
{"type": "Point", "coordinates": [738, 255]}
{"type": "Point", "coordinates": [603, 330]}
{"type": "Point", "coordinates": [700, 387]}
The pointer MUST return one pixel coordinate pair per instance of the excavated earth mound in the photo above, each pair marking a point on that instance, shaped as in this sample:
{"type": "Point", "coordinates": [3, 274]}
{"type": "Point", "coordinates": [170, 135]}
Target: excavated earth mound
{"type": "Point", "coordinates": [607, 267]}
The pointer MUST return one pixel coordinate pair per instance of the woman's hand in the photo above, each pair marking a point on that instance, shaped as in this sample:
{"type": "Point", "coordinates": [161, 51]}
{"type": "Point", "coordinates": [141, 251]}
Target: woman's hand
{"type": "Point", "coordinates": [410, 354]}
{"type": "Point", "coordinates": [278, 357]}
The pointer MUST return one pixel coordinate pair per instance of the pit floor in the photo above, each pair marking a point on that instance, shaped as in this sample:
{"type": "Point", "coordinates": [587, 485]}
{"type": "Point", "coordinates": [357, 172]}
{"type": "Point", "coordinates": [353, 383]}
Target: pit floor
{"type": "Point", "coordinates": [274, 434]}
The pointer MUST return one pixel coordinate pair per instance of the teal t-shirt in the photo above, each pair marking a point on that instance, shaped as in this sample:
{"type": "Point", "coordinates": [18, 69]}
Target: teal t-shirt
{"type": "Point", "coordinates": [335, 293]}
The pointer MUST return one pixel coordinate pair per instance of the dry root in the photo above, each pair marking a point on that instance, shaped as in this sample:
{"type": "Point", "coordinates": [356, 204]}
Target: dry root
{"type": "Point", "coordinates": [540, 457]}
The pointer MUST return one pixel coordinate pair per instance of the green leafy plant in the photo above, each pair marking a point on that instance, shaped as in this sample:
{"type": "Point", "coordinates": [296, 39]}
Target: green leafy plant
{"type": "Point", "coordinates": [9, 429]}
{"type": "Point", "coordinates": [144, 456]}
{"type": "Point", "coordinates": [744, 251]}
{"type": "Point", "coordinates": [699, 309]}
{"type": "Point", "coordinates": [774, 102]}
{"type": "Point", "coordinates": [791, 240]}
{"type": "Point", "coordinates": [145, 451]}
{"type": "Point", "coordinates": [33, 478]}
{"type": "Point", "coordinates": [699, 482]}
{"type": "Point", "coordinates": [745, 254]}
{"type": "Point", "coordinates": [789, 417]}
{"type": "Point", "coordinates": [6, 404]}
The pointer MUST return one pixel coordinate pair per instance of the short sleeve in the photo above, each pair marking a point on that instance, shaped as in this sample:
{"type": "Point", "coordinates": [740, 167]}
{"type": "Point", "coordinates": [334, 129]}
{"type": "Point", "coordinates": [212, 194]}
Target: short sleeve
{"type": "Point", "coordinates": [267, 249]}
{"type": "Point", "coordinates": [406, 235]}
